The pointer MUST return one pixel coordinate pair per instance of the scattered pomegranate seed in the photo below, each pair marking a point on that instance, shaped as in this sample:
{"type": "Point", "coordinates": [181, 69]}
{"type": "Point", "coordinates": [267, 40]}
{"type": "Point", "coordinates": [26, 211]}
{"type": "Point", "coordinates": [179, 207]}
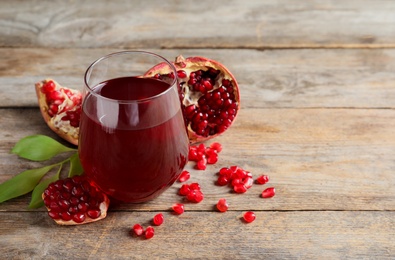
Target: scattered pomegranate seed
{"type": "Point", "coordinates": [178, 208]}
{"type": "Point", "coordinates": [149, 232]}
{"type": "Point", "coordinates": [262, 179]}
{"type": "Point", "coordinates": [184, 176]}
{"type": "Point", "coordinates": [222, 205]}
{"type": "Point", "coordinates": [249, 216]}
{"type": "Point", "coordinates": [269, 192]}
{"type": "Point", "coordinates": [138, 229]}
{"type": "Point", "coordinates": [158, 219]}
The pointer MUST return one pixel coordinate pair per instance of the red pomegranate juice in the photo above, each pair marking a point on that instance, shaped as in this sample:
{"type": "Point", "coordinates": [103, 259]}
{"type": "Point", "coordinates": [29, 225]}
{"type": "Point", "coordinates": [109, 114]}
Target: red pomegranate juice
{"type": "Point", "coordinates": [129, 159]}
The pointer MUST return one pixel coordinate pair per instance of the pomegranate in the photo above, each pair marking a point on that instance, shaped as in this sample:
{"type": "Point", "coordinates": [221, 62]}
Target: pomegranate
{"type": "Point", "coordinates": [61, 108]}
{"type": "Point", "coordinates": [75, 201]}
{"type": "Point", "coordinates": [209, 94]}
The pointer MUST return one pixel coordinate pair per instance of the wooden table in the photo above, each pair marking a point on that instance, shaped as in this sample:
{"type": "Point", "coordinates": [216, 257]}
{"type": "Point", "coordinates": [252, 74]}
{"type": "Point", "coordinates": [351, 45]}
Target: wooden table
{"type": "Point", "coordinates": [317, 82]}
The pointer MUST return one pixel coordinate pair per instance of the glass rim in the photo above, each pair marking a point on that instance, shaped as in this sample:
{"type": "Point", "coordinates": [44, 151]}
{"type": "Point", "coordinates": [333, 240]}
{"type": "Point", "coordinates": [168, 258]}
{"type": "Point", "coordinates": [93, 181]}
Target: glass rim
{"type": "Point", "coordinates": [90, 67]}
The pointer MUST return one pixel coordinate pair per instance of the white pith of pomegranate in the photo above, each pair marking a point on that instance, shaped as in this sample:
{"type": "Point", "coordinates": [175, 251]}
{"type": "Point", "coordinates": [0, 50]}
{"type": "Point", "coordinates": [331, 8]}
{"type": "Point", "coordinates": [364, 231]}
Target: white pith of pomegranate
{"type": "Point", "coordinates": [209, 94]}
{"type": "Point", "coordinates": [60, 108]}
{"type": "Point", "coordinates": [75, 201]}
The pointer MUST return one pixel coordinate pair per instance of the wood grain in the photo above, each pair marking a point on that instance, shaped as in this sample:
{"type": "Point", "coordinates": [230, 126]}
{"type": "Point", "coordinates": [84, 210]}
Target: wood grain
{"type": "Point", "coordinates": [204, 235]}
{"type": "Point", "coordinates": [318, 159]}
{"type": "Point", "coordinates": [268, 79]}
{"type": "Point", "coordinates": [180, 24]}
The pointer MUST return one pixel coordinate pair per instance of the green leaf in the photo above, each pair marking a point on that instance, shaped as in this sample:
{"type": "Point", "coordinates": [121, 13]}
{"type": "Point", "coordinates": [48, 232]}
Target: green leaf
{"type": "Point", "coordinates": [75, 166]}
{"type": "Point", "coordinates": [37, 201]}
{"type": "Point", "coordinates": [22, 183]}
{"type": "Point", "coordinates": [39, 148]}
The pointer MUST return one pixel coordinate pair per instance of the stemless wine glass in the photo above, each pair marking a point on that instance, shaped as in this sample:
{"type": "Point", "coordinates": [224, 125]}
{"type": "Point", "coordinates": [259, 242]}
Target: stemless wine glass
{"type": "Point", "coordinates": [133, 143]}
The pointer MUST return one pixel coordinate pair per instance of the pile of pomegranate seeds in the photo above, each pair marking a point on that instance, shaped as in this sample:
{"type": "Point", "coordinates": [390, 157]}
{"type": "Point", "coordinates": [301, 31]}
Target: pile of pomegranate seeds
{"type": "Point", "coordinates": [239, 179]}
{"type": "Point", "coordinates": [192, 192]}
{"type": "Point", "coordinates": [204, 155]}
{"type": "Point", "coordinates": [74, 201]}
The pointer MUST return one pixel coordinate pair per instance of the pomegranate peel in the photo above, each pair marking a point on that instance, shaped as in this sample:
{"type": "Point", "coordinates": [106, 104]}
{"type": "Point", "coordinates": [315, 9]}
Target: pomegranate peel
{"type": "Point", "coordinates": [75, 201]}
{"type": "Point", "coordinates": [60, 108]}
{"type": "Point", "coordinates": [209, 94]}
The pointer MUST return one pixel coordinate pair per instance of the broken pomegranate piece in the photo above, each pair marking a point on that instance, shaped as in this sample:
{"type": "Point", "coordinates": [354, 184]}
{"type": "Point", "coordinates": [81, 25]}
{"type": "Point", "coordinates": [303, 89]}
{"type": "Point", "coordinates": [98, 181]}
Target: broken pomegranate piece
{"type": "Point", "coordinates": [60, 108]}
{"type": "Point", "coordinates": [74, 201]}
{"type": "Point", "coordinates": [209, 94]}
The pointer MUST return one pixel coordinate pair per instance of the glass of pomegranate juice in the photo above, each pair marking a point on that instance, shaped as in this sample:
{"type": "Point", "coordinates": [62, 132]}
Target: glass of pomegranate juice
{"type": "Point", "coordinates": [133, 143]}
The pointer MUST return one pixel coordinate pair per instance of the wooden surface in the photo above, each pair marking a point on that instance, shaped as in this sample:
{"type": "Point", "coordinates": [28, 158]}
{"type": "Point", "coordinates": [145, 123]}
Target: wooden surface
{"type": "Point", "coordinates": [317, 85]}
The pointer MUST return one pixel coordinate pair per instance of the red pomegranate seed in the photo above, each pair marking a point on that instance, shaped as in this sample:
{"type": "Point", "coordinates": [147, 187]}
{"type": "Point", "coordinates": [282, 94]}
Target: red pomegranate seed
{"type": "Point", "coordinates": [201, 164]}
{"type": "Point", "coordinates": [195, 196]}
{"type": "Point", "coordinates": [222, 205]}
{"type": "Point", "coordinates": [79, 217]}
{"type": "Point", "coordinates": [248, 181]}
{"type": "Point", "coordinates": [222, 180]}
{"type": "Point", "coordinates": [93, 213]}
{"type": "Point", "coordinates": [262, 179]}
{"type": "Point", "coordinates": [184, 176]}
{"type": "Point", "coordinates": [178, 208]}
{"type": "Point", "coordinates": [149, 232]}
{"type": "Point", "coordinates": [184, 190]}
{"type": "Point", "coordinates": [194, 186]}
{"type": "Point", "coordinates": [181, 74]}
{"type": "Point", "coordinates": [158, 219]}
{"type": "Point", "coordinates": [240, 188]}
{"type": "Point", "coordinates": [53, 214]}
{"type": "Point", "coordinates": [216, 146]}
{"type": "Point", "coordinates": [213, 159]}
{"type": "Point", "coordinates": [269, 192]}
{"type": "Point", "coordinates": [49, 86]}
{"type": "Point", "coordinates": [138, 229]}
{"type": "Point", "coordinates": [249, 216]}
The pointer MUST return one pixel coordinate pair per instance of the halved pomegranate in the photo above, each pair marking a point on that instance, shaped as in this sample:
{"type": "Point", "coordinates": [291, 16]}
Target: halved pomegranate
{"type": "Point", "coordinates": [61, 108]}
{"type": "Point", "coordinates": [209, 94]}
{"type": "Point", "coordinates": [74, 201]}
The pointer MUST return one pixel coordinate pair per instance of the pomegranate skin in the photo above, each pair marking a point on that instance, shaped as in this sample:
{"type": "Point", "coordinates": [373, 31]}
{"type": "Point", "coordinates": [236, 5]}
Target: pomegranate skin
{"type": "Point", "coordinates": [209, 94]}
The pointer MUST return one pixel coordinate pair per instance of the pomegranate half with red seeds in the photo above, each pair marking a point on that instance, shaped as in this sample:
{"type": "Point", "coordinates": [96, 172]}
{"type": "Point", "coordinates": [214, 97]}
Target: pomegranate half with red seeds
{"type": "Point", "coordinates": [74, 201]}
{"type": "Point", "coordinates": [60, 108]}
{"type": "Point", "coordinates": [209, 94]}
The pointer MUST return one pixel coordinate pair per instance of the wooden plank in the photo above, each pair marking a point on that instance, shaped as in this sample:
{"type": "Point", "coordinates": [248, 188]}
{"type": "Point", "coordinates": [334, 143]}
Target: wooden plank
{"type": "Point", "coordinates": [267, 79]}
{"type": "Point", "coordinates": [180, 24]}
{"type": "Point", "coordinates": [204, 235]}
{"type": "Point", "coordinates": [318, 159]}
